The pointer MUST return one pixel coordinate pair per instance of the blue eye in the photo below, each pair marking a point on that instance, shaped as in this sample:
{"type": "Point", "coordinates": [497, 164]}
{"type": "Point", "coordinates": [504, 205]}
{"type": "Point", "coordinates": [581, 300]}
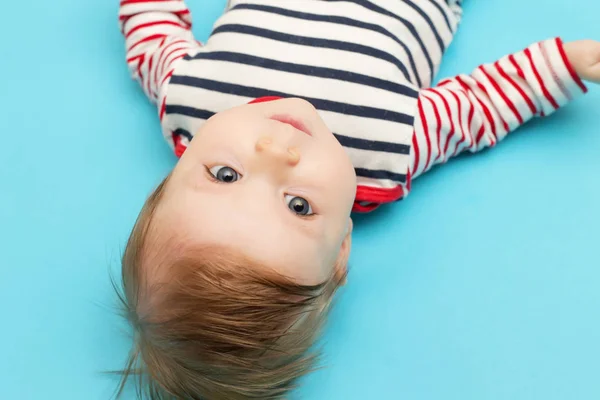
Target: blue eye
{"type": "Point", "coordinates": [299, 205]}
{"type": "Point", "coordinates": [224, 174]}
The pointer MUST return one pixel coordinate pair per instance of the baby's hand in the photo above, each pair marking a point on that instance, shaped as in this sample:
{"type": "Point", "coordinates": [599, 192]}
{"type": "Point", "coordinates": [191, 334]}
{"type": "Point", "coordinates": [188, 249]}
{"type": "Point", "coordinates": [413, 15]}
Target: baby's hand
{"type": "Point", "coordinates": [584, 55]}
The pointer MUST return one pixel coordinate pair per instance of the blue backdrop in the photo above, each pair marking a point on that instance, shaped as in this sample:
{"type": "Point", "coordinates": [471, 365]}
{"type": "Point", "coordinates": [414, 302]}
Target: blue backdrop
{"type": "Point", "coordinates": [483, 284]}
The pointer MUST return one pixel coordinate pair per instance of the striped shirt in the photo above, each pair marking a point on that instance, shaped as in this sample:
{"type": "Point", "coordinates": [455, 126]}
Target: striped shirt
{"type": "Point", "coordinates": [366, 65]}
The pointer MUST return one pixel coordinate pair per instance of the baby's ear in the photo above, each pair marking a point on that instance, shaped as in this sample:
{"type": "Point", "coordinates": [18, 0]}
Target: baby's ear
{"type": "Point", "coordinates": [341, 264]}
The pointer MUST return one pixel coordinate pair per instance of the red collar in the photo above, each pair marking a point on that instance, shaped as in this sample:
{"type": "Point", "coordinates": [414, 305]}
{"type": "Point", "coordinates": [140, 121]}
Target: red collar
{"type": "Point", "coordinates": [265, 99]}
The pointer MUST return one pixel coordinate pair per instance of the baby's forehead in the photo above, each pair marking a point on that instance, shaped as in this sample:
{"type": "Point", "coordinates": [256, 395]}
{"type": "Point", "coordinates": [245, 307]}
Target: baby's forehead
{"type": "Point", "coordinates": [184, 225]}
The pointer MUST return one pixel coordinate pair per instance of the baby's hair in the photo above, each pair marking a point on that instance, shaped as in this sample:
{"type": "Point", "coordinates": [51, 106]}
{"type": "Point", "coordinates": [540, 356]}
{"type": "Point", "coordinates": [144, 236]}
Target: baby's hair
{"type": "Point", "coordinates": [220, 326]}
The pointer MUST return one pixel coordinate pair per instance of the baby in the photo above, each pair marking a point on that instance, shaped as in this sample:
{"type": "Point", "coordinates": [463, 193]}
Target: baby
{"type": "Point", "coordinates": [300, 111]}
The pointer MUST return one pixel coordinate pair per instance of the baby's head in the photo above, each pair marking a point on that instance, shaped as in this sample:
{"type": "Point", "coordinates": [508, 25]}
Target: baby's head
{"type": "Point", "coordinates": [234, 259]}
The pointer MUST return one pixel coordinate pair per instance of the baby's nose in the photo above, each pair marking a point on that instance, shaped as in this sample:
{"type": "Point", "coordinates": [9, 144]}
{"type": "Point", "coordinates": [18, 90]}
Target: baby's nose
{"type": "Point", "coordinates": [288, 154]}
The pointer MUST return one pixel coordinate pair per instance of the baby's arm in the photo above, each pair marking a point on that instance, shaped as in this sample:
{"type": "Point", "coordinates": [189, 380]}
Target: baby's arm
{"type": "Point", "coordinates": [471, 112]}
{"type": "Point", "coordinates": [157, 33]}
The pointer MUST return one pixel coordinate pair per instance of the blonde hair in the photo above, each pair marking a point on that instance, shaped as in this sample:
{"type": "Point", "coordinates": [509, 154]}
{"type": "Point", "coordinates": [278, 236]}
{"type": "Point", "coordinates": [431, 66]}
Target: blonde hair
{"type": "Point", "coordinates": [220, 328]}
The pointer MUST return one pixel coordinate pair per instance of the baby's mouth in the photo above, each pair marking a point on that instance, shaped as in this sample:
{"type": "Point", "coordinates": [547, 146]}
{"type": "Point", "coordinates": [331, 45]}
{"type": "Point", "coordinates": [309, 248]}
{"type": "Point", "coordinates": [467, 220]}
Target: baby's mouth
{"type": "Point", "coordinates": [286, 119]}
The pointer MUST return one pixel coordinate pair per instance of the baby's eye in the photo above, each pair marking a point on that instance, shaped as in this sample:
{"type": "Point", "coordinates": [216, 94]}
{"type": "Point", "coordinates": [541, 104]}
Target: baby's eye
{"type": "Point", "coordinates": [224, 174]}
{"type": "Point", "coordinates": [299, 205]}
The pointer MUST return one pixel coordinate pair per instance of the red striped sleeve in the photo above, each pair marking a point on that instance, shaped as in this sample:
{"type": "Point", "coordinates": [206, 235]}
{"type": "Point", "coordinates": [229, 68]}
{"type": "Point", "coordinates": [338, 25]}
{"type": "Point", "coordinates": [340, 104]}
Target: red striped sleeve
{"type": "Point", "coordinates": [157, 34]}
{"type": "Point", "coordinates": [569, 66]}
{"type": "Point", "coordinates": [486, 112]}
{"type": "Point", "coordinates": [167, 76]}
{"type": "Point", "coordinates": [518, 88]}
{"type": "Point", "coordinates": [163, 107]}
{"type": "Point", "coordinates": [172, 52]}
{"type": "Point", "coordinates": [148, 80]}
{"type": "Point", "coordinates": [135, 58]}
{"type": "Point", "coordinates": [184, 13]}
{"type": "Point", "coordinates": [139, 62]}
{"type": "Point", "coordinates": [126, 2]}
{"type": "Point", "coordinates": [480, 134]}
{"type": "Point", "coordinates": [469, 133]}
{"type": "Point", "coordinates": [430, 125]}
{"type": "Point", "coordinates": [438, 123]}
{"type": "Point", "coordinates": [161, 55]}
{"type": "Point", "coordinates": [479, 109]}
{"type": "Point", "coordinates": [464, 128]}
{"type": "Point", "coordinates": [136, 28]}
{"type": "Point", "coordinates": [517, 67]}
{"type": "Point", "coordinates": [540, 81]}
{"type": "Point", "coordinates": [500, 91]}
{"type": "Point", "coordinates": [427, 147]}
{"type": "Point", "coordinates": [452, 129]}
{"type": "Point", "coordinates": [415, 152]}
{"type": "Point", "coordinates": [146, 40]}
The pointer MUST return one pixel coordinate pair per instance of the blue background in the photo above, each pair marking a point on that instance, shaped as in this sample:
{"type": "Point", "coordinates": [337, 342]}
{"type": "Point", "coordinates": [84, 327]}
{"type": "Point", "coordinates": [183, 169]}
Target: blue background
{"type": "Point", "coordinates": [483, 284]}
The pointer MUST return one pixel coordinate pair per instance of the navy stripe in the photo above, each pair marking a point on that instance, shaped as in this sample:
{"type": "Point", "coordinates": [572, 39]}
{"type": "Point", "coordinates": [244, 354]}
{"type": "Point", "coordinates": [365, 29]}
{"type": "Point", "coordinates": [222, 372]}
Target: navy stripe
{"type": "Point", "coordinates": [321, 104]}
{"type": "Point", "coordinates": [314, 42]}
{"type": "Point", "coordinates": [380, 174]}
{"type": "Point", "coordinates": [189, 111]}
{"type": "Point", "coordinates": [309, 70]}
{"type": "Point", "coordinates": [444, 14]}
{"type": "Point", "coordinates": [432, 26]}
{"type": "Point", "coordinates": [364, 144]}
{"type": "Point", "coordinates": [345, 141]}
{"type": "Point", "coordinates": [335, 20]}
{"type": "Point", "coordinates": [375, 8]}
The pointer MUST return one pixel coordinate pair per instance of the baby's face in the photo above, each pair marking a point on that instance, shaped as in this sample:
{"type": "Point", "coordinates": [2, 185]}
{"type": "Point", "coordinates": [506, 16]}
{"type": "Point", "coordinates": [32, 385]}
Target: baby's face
{"type": "Point", "coordinates": [271, 181]}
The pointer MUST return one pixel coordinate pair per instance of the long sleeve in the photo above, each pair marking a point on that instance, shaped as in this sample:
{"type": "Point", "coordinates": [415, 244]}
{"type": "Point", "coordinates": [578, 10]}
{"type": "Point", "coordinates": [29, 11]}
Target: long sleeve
{"type": "Point", "coordinates": [157, 34]}
{"type": "Point", "coordinates": [472, 112]}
